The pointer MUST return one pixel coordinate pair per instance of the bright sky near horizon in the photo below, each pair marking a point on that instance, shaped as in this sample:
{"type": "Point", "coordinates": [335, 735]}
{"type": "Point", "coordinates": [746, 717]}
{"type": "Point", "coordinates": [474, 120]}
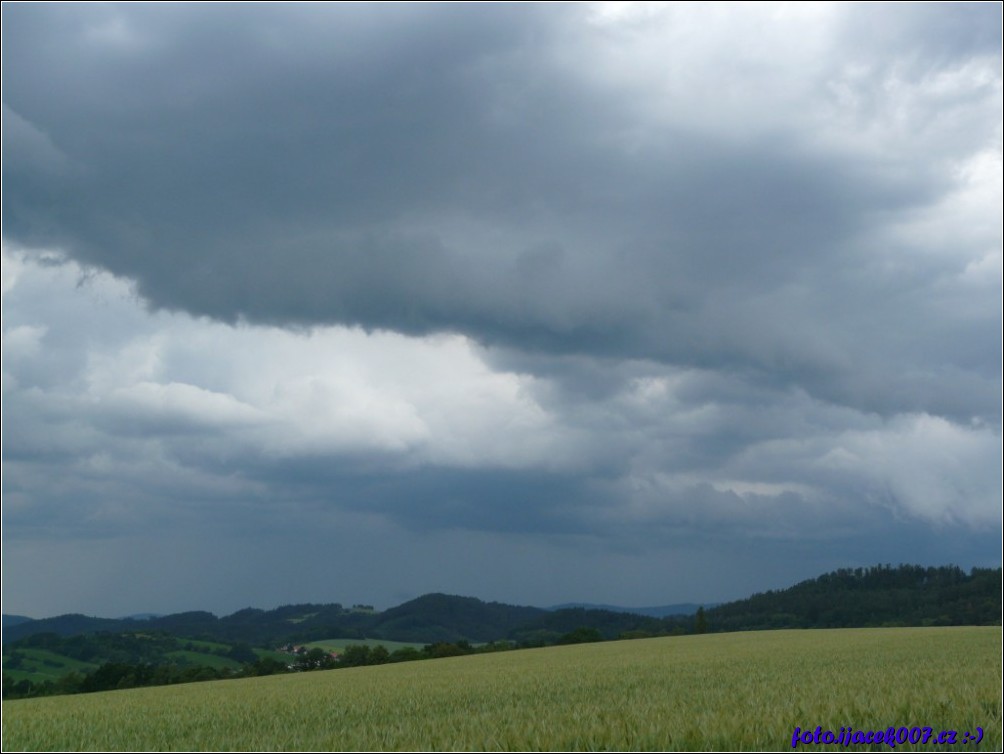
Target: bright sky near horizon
{"type": "Point", "coordinates": [627, 303]}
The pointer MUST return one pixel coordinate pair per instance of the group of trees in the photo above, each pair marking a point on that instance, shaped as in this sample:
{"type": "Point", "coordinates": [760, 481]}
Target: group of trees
{"type": "Point", "coordinates": [357, 655]}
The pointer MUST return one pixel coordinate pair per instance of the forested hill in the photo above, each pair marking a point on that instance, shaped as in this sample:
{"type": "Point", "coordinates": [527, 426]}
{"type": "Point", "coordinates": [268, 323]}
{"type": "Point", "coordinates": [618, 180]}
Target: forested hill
{"type": "Point", "coordinates": [251, 625]}
{"type": "Point", "coordinates": [427, 619]}
{"type": "Point", "coordinates": [877, 596]}
{"type": "Point", "coordinates": [905, 595]}
{"type": "Point", "coordinates": [443, 617]}
{"type": "Point", "coordinates": [13, 620]}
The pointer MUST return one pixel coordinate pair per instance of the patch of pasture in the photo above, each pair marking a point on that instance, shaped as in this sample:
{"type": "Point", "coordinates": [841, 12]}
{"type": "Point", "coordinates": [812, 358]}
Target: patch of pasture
{"type": "Point", "coordinates": [339, 645]}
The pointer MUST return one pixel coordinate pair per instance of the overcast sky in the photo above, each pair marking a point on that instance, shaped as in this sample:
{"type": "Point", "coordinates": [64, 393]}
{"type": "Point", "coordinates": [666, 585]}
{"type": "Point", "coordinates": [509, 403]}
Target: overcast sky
{"type": "Point", "coordinates": [633, 304]}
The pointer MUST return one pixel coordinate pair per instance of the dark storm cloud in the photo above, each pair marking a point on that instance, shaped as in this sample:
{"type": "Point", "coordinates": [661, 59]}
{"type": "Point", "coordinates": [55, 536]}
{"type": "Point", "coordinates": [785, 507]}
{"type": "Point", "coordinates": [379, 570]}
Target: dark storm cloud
{"type": "Point", "coordinates": [425, 168]}
{"type": "Point", "coordinates": [704, 291]}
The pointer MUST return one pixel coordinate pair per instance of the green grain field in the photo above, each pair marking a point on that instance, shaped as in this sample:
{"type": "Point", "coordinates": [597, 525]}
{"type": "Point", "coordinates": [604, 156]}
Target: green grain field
{"type": "Point", "coordinates": [723, 691]}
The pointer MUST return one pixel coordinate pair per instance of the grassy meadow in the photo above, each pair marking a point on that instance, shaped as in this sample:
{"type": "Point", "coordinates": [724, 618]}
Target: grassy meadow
{"type": "Point", "coordinates": [39, 665]}
{"type": "Point", "coordinates": [718, 691]}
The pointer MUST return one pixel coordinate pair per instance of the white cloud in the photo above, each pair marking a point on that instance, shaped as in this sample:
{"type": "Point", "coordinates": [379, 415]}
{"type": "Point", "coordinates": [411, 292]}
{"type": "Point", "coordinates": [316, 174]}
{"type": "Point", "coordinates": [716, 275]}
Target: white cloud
{"type": "Point", "coordinates": [276, 392]}
{"type": "Point", "coordinates": [926, 466]}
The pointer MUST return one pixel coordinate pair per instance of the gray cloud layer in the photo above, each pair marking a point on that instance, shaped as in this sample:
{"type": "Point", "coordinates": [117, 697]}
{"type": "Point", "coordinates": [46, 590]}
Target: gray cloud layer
{"type": "Point", "coordinates": [511, 173]}
{"type": "Point", "coordinates": [631, 278]}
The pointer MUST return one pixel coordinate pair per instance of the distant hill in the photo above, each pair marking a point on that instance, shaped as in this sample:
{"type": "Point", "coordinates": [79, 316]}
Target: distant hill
{"type": "Point", "coordinates": [661, 611]}
{"type": "Point", "coordinates": [14, 620]}
{"type": "Point", "coordinates": [877, 596]}
{"type": "Point", "coordinates": [442, 617]}
{"type": "Point", "coordinates": [64, 625]}
{"type": "Point", "coordinates": [882, 595]}
{"type": "Point", "coordinates": [253, 626]}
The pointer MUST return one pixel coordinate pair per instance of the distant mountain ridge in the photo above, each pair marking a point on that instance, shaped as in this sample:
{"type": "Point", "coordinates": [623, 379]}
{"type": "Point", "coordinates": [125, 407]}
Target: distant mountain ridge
{"type": "Point", "coordinates": [64, 625]}
{"type": "Point", "coordinates": [430, 618]}
{"type": "Point", "coordinates": [13, 620]}
{"type": "Point", "coordinates": [875, 596]}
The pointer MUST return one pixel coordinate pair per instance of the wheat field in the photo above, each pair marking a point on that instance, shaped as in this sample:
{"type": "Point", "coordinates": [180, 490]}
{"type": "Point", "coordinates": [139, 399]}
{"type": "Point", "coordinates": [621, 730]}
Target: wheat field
{"type": "Point", "coordinates": [744, 691]}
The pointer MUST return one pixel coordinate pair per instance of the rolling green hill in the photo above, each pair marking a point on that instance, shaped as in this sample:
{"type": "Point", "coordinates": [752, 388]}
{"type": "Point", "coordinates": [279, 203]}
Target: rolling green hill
{"type": "Point", "coordinates": [39, 665]}
{"type": "Point", "coordinates": [44, 658]}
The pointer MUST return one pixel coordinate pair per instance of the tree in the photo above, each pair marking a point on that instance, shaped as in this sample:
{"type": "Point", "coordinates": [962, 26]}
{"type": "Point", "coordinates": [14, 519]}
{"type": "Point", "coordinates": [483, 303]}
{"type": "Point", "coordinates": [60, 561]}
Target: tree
{"type": "Point", "coordinates": [242, 653]}
{"type": "Point", "coordinates": [317, 659]}
{"type": "Point", "coordinates": [266, 666]}
{"type": "Point", "coordinates": [405, 654]}
{"type": "Point", "coordinates": [581, 635]}
{"type": "Point", "coordinates": [700, 622]}
{"type": "Point", "coordinates": [354, 655]}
